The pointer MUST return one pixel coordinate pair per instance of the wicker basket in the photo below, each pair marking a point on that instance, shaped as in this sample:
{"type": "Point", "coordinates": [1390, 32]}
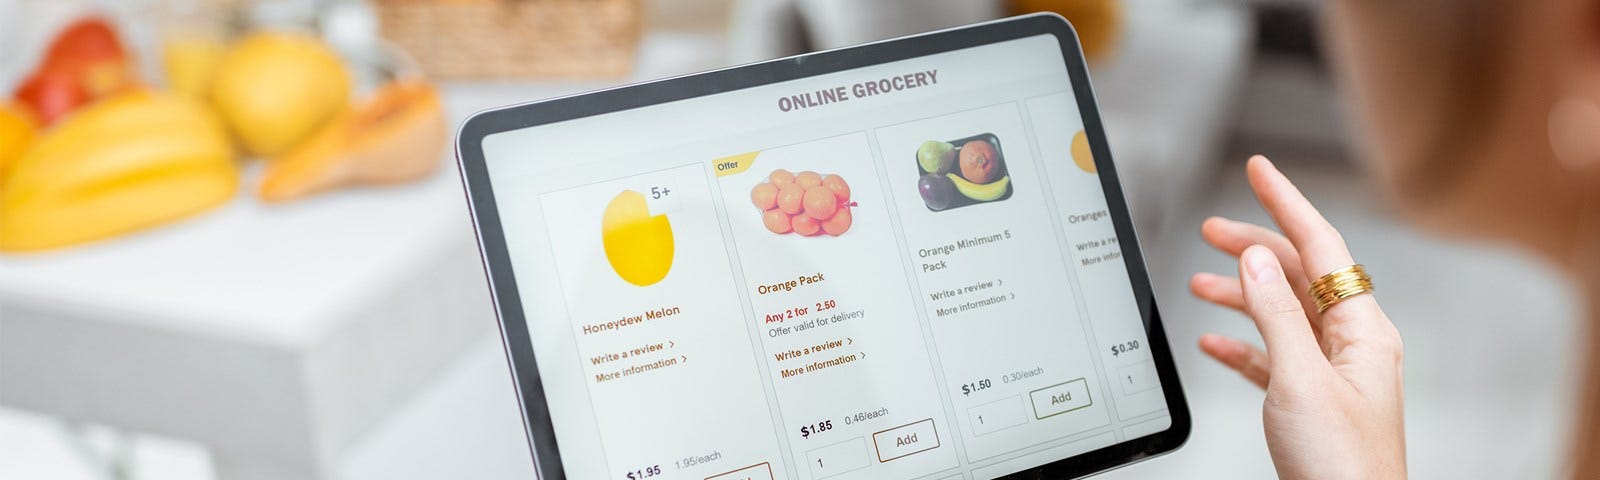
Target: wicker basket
{"type": "Point", "coordinates": [515, 38]}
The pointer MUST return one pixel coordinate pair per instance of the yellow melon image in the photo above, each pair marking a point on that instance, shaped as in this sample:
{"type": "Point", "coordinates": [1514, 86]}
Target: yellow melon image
{"type": "Point", "coordinates": [1080, 152]}
{"type": "Point", "coordinates": [638, 245]}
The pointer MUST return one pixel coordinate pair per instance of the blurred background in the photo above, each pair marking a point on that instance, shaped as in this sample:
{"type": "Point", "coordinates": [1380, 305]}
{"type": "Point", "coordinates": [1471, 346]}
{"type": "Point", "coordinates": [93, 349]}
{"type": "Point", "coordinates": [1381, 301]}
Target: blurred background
{"type": "Point", "coordinates": [246, 255]}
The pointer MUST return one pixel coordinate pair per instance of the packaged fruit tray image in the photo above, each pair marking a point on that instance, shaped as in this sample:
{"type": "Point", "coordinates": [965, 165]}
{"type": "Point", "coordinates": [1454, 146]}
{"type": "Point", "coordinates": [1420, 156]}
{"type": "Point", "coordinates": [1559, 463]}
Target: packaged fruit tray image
{"type": "Point", "coordinates": [962, 172]}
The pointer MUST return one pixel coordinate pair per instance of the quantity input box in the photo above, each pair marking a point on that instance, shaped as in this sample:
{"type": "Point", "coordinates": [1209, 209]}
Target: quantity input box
{"type": "Point", "coordinates": [998, 415]}
{"type": "Point", "coordinates": [838, 458]}
{"type": "Point", "coordinates": [1138, 378]}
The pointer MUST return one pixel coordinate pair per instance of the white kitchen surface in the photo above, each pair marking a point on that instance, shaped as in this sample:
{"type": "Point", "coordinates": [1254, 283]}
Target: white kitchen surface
{"type": "Point", "coordinates": [274, 335]}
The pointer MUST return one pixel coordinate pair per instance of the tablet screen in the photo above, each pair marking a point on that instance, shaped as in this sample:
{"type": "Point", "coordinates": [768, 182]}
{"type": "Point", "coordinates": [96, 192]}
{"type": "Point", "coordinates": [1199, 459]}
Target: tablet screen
{"type": "Point", "coordinates": [906, 270]}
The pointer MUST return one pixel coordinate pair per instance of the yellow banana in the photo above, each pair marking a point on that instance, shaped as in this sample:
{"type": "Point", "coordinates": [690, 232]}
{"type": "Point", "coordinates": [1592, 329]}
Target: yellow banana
{"type": "Point", "coordinates": [16, 133]}
{"type": "Point", "coordinates": [127, 163]}
{"type": "Point", "coordinates": [981, 192]}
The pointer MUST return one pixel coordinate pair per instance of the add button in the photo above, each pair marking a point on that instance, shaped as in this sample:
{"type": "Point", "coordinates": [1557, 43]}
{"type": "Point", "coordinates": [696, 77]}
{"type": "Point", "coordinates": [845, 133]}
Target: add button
{"type": "Point", "coordinates": [1060, 398]}
{"type": "Point", "coordinates": [759, 471]}
{"type": "Point", "coordinates": [908, 439]}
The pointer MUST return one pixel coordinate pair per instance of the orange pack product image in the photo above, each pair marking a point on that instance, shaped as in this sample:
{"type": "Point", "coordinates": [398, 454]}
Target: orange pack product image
{"type": "Point", "coordinates": [807, 203]}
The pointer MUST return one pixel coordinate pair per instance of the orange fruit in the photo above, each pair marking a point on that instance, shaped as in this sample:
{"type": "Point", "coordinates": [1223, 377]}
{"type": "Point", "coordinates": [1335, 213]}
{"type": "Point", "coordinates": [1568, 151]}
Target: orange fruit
{"type": "Point", "coordinates": [839, 224]}
{"type": "Point", "coordinates": [820, 203]}
{"type": "Point", "coordinates": [776, 221]}
{"type": "Point", "coordinates": [837, 185]}
{"type": "Point", "coordinates": [805, 225]}
{"type": "Point", "coordinates": [790, 197]}
{"type": "Point", "coordinates": [1081, 154]}
{"type": "Point", "coordinates": [979, 162]}
{"type": "Point", "coordinates": [1099, 22]}
{"type": "Point", "coordinates": [808, 179]}
{"type": "Point", "coordinates": [780, 177]}
{"type": "Point", "coordinates": [765, 196]}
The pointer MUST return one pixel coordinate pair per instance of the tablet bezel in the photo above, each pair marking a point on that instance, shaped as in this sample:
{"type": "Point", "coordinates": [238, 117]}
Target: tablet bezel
{"type": "Point", "coordinates": [502, 282]}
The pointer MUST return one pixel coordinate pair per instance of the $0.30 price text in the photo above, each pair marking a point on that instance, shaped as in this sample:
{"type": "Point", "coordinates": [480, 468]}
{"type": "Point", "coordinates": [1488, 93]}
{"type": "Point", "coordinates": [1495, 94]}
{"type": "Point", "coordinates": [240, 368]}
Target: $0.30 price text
{"type": "Point", "coordinates": [1118, 349]}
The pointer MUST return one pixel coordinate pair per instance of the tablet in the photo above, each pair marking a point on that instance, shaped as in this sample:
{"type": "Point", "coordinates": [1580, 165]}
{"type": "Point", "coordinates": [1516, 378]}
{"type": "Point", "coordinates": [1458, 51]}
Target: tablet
{"type": "Point", "coordinates": [903, 260]}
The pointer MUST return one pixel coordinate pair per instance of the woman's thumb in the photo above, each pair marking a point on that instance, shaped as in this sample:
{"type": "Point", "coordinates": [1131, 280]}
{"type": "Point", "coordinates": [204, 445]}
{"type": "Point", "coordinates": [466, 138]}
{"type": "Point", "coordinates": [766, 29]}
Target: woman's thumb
{"type": "Point", "coordinates": [1277, 312]}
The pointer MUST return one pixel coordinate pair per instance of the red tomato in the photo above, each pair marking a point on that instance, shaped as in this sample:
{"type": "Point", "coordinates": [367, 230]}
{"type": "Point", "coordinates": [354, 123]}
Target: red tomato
{"type": "Point", "coordinates": [90, 51]}
{"type": "Point", "coordinates": [90, 39]}
{"type": "Point", "coordinates": [51, 95]}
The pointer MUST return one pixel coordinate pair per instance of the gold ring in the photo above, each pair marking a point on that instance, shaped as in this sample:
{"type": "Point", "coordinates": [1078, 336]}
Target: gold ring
{"type": "Point", "coordinates": [1340, 284]}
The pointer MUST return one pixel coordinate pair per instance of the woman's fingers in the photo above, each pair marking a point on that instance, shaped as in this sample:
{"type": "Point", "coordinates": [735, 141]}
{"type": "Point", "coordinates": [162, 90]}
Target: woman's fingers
{"type": "Point", "coordinates": [1232, 237]}
{"type": "Point", "coordinates": [1242, 357]}
{"type": "Point", "coordinates": [1278, 315]}
{"type": "Point", "coordinates": [1217, 289]}
{"type": "Point", "coordinates": [1321, 248]}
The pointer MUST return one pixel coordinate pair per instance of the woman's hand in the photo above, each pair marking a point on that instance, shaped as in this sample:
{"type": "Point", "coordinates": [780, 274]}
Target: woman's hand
{"type": "Point", "coordinates": [1334, 400]}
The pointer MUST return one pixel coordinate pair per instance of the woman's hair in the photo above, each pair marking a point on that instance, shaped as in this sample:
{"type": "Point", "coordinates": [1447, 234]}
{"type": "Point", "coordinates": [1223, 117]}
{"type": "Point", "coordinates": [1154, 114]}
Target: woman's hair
{"type": "Point", "coordinates": [1492, 74]}
{"type": "Point", "coordinates": [1476, 57]}
{"type": "Point", "coordinates": [1483, 64]}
